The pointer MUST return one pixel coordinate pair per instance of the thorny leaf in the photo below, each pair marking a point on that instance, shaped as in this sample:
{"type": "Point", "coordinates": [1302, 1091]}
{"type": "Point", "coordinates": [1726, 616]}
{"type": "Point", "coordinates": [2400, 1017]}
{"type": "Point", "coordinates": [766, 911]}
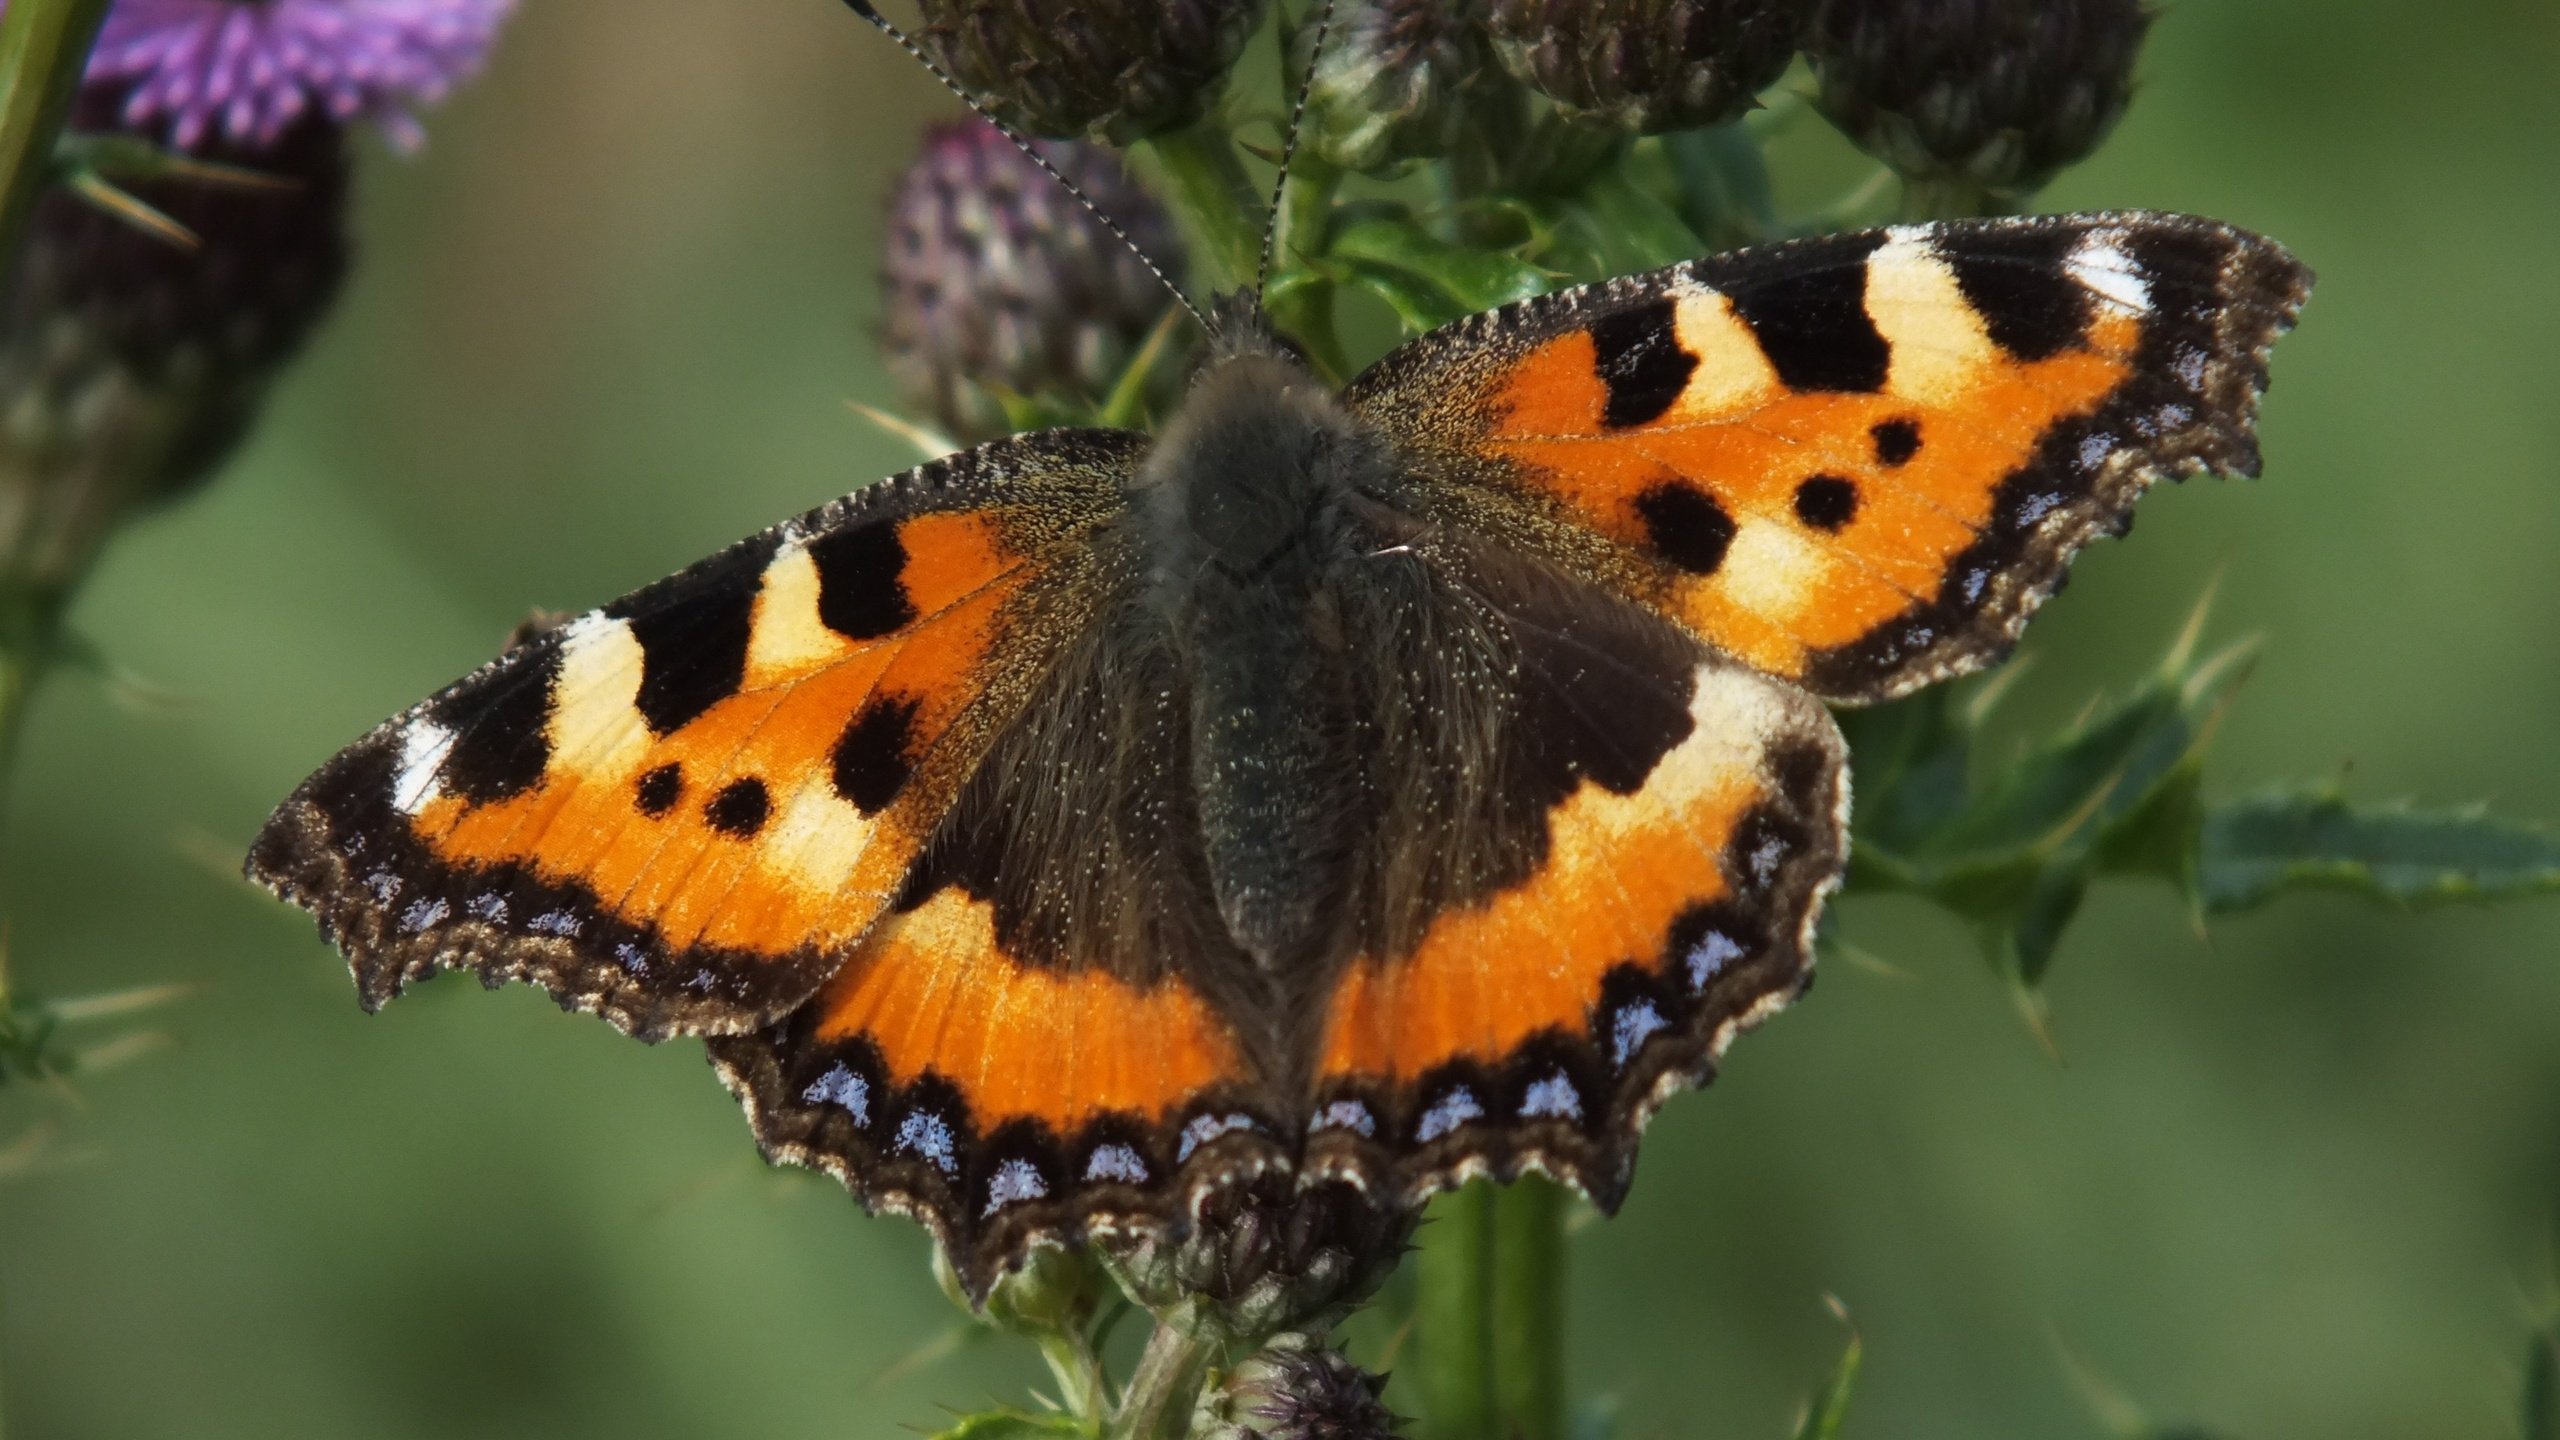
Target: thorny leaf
{"type": "Point", "coordinates": [2114, 793]}
{"type": "Point", "coordinates": [2254, 849]}
{"type": "Point", "coordinates": [2120, 793]}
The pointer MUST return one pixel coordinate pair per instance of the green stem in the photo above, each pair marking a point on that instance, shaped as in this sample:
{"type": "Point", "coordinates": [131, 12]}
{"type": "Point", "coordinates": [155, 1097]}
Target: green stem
{"type": "Point", "coordinates": [1201, 176]}
{"type": "Point", "coordinates": [44, 47]}
{"type": "Point", "coordinates": [1453, 1351]}
{"type": "Point", "coordinates": [1157, 1404]}
{"type": "Point", "coordinates": [1078, 1372]}
{"type": "Point", "coordinates": [1528, 1308]}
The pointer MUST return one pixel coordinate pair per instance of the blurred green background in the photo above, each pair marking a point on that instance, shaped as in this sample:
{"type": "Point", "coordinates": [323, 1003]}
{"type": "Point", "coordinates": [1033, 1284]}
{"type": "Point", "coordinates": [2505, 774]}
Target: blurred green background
{"type": "Point", "coordinates": [2295, 1179]}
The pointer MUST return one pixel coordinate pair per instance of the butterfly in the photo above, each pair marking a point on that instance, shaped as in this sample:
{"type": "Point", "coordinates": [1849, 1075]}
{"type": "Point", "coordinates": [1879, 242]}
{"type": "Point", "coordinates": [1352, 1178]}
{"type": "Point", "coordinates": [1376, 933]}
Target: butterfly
{"type": "Point", "coordinates": [1378, 787]}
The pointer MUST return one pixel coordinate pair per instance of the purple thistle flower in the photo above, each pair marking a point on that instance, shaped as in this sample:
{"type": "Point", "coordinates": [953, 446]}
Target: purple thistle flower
{"type": "Point", "coordinates": [243, 71]}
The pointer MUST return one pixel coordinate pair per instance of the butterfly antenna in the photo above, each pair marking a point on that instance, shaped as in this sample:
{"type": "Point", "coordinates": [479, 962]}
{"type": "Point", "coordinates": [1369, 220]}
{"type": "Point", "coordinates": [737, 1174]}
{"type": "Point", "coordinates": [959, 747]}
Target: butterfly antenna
{"type": "Point", "coordinates": [1289, 149]}
{"type": "Point", "coordinates": [934, 68]}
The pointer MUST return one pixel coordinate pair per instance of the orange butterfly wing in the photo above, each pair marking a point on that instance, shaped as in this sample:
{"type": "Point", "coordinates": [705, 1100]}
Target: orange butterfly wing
{"type": "Point", "coordinates": [1858, 462]}
{"type": "Point", "coordinates": [681, 809]}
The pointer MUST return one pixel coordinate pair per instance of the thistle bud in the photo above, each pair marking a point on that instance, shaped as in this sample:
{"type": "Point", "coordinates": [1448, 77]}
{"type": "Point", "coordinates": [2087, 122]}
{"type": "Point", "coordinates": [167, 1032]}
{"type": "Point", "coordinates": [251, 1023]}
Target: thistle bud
{"type": "Point", "coordinates": [993, 280]}
{"type": "Point", "coordinates": [131, 367]}
{"type": "Point", "coordinates": [1295, 1389]}
{"type": "Point", "coordinates": [1261, 1258]}
{"type": "Point", "coordinates": [1648, 65]}
{"type": "Point", "coordinates": [1114, 71]}
{"type": "Point", "coordinates": [1994, 95]}
{"type": "Point", "coordinates": [1397, 80]}
{"type": "Point", "coordinates": [1054, 1291]}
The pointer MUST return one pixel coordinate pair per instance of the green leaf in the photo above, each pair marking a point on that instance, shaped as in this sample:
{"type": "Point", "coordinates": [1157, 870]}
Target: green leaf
{"type": "Point", "coordinates": [1913, 760]}
{"type": "Point", "coordinates": [1039, 412]}
{"type": "Point", "coordinates": [1012, 1425]}
{"type": "Point", "coordinates": [1725, 192]}
{"type": "Point", "coordinates": [2255, 849]}
{"type": "Point", "coordinates": [1645, 231]}
{"type": "Point", "coordinates": [2114, 793]}
{"type": "Point", "coordinates": [2066, 793]}
{"type": "Point", "coordinates": [1419, 306]}
{"type": "Point", "coordinates": [2035, 931]}
{"type": "Point", "coordinates": [1469, 280]}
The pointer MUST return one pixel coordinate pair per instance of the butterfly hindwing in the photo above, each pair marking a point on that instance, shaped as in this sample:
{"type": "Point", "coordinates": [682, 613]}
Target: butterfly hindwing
{"type": "Point", "coordinates": [1600, 852]}
{"type": "Point", "coordinates": [677, 810]}
{"type": "Point", "coordinates": [1051, 1030]}
{"type": "Point", "coordinates": [1856, 462]}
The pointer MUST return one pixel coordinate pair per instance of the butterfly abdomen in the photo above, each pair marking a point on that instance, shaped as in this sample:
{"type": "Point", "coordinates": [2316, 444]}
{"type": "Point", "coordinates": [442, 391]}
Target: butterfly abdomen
{"type": "Point", "coordinates": [1246, 501]}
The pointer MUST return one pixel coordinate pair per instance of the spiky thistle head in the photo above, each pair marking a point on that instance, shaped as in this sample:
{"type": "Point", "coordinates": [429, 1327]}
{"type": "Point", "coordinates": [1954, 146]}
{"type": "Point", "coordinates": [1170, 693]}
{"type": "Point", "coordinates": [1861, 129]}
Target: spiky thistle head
{"type": "Point", "coordinates": [1999, 95]}
{"type": "Point", "coordinates": [994, 281]}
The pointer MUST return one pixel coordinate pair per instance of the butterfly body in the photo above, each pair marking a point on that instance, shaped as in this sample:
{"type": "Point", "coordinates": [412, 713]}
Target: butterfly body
{"type": "Point", "coordinates": [1349, 792]}
{"type": "Point", "coordinates": [1250, 505]}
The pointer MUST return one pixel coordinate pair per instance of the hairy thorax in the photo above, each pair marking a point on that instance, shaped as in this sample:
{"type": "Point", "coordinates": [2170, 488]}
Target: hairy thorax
{"type": "Point", "coordinates": [1252, 506]}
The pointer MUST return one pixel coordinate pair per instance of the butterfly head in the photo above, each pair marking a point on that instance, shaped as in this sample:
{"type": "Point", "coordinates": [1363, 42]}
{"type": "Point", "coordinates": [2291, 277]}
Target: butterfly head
{"type": "Point", "coordinates": [1239, 326]}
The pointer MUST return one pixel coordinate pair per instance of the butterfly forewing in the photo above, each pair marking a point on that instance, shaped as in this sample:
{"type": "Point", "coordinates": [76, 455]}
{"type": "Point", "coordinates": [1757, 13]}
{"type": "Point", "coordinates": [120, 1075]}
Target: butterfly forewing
{"type": "Point", "coordinates": [678, 810]}
{"type": "Point", "coordinates": [1858, 462]}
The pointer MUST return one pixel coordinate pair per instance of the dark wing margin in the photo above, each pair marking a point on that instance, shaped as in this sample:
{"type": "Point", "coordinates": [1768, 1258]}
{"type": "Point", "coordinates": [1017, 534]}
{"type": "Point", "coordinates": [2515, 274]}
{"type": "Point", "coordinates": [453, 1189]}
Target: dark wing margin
{"type": "Point", "coordinates": [603, 810]}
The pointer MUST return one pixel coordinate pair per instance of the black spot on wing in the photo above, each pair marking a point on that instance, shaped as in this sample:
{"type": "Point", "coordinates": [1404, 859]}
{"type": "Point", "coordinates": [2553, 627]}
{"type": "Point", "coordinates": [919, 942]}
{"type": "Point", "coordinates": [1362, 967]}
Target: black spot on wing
{"type": "Point", "coordinates": [871, 760]}
{"type": "Point", "coordinates": [693, 633]}
{"type": "Point", "coordinates": [500, 723]}
{"type": "Point", "coordinates": [740, 809]}
{"type": "Point", "coordinates": [1638, 356]}
{"type": "Point", "coordinates": [660, 789]}
{"type": "Point", "coordinates": [1812, 321]}
{"type": "Point", "coordinates": [1686, 526]}
{"type": "Point", "coordinates": [1827, 502]}
{"type": "Point", "coordinates": [859, 593]}
{"type": "Point", "coordinates": [1896, 441]}
{"type": "Point", "coordinates": [2018, 279]}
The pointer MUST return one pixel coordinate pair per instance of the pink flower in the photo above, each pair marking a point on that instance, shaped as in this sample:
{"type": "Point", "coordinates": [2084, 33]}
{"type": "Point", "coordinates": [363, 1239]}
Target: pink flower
{"type": "Point", "coordinates": [242, 71]}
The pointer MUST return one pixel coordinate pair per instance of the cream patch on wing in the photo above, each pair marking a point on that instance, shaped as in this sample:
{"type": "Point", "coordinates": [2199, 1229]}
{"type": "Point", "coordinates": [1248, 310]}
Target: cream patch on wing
{"type": "Point", "coordinates": [1941, 348]}
{"type": "Point", "coordinates": [816, 839]}
{"type": "Point", "coordinates": [1735, 715]}
{"type": "Point", "coordinates": [1772, 569]}
{"type": "Point", "coordinates": [1733, 374]}
{"type": "Point", "coordinates": [788, 639]}
{"type": "Point", "coordinates": [596, 728]}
